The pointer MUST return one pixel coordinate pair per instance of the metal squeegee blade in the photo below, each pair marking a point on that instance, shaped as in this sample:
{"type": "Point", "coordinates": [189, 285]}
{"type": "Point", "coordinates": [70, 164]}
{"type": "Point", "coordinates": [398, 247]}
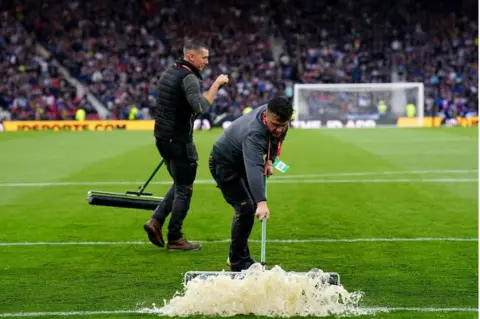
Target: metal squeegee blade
{"type": "Point", "coordinates": [333, 277]}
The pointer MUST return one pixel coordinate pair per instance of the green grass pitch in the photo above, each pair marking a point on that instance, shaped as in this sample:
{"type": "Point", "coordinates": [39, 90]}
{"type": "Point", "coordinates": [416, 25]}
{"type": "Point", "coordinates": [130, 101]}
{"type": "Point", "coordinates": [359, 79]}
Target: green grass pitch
{"type": "Point", "coordinates": [349, 199]}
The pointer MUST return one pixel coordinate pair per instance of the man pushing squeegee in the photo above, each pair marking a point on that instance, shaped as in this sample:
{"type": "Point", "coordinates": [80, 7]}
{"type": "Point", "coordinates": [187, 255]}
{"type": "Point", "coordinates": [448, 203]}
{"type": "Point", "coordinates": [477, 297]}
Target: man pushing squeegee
{"type": "Point", "coordinates": [237, 166]}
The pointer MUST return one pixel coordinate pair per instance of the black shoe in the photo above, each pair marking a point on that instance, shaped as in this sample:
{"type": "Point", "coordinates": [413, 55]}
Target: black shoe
{"type": "Point", "coordinates": [244, 265]}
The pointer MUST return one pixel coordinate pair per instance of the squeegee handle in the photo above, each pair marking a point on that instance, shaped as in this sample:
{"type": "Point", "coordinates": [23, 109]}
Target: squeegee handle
{"type": "Point", "coordinates": [142, 188]}
{"type": "Point", "coordinates": [264, 235]}
{"type": "Point", "coordinates": [264, 228]}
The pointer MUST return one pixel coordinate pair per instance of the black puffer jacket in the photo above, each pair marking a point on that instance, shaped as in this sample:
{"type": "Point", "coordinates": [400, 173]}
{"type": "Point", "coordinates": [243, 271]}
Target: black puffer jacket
{"type": "Point", "coordinates": [173, 115]}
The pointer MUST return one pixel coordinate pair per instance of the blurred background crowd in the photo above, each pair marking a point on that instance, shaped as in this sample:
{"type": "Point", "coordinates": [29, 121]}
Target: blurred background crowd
{"type": "Point", "coordinates": [58, 56]}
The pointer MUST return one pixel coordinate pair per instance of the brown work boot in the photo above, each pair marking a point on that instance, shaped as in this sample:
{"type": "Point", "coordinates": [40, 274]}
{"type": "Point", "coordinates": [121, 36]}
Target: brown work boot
{"type": "Point", "coordinates": [154, 231]}
{"type": "Point", "coordinates": [182, 245]}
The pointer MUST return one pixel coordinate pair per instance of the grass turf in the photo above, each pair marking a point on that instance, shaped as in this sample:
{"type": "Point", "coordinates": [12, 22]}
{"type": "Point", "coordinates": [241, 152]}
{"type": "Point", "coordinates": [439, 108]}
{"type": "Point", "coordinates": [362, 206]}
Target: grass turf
{"type": "Point", "coordinates": [342, 184]}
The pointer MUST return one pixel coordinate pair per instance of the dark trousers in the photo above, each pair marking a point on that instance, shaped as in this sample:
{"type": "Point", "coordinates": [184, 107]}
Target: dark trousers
{"type": "Point", "coordinates": [181, 162]}
{"type": "Point", "coordinates": [233, 184]}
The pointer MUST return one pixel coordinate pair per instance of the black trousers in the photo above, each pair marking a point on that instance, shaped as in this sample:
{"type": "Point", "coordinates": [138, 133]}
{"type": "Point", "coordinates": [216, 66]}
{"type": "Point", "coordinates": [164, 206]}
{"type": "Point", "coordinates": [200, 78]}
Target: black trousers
{"type": "Point", "coordinates": [181, 161]}
{"type": "Point", "coordinates": [233, 184]}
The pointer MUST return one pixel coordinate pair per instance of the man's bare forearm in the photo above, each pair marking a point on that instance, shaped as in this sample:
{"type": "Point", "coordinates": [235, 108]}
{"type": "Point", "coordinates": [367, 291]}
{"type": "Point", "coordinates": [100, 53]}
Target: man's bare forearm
{"type": "Point", "coordinates": [211, 93]}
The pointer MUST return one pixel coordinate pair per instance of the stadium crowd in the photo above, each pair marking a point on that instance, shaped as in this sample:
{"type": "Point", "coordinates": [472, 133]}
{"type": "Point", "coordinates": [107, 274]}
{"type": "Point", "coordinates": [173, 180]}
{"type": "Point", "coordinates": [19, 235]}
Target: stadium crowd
{"type": "Point", "coordinates": [31, 88]}
{"type": "Point", "coordinates": [118, 49]}
{"type": "Point", "coordinates": [434, 42]}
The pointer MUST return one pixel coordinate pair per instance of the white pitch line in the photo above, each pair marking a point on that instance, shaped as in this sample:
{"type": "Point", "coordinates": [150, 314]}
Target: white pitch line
{"type": "Point", "coordinates": [420, 309]}
{"type": "Point", "coordinates": [154, 312]}
{"type": "Point", "coordinates": [272, 181]}
{"type": "Point", "coordinates": [278, 179]}
{"type": "Point", "coordinates": [414, 172]}
{"type": "Point", "coordinates": [374, 180]}
{"type": "Point", "coordinates": [66, 313]}
{"type": "Point", "coordinates": [280, 241]}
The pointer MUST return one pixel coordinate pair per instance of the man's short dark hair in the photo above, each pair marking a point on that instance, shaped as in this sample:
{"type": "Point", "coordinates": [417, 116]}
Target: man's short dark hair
{"type": "Point", "coordinates": [281, 107]}
{"type": "Point", "coordinates": [193, 45]}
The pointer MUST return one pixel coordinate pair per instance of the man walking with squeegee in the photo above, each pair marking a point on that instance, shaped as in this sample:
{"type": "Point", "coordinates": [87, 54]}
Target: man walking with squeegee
{"type": "Point", "coordinates": [237, 165]}
{"type": "Point", "coordinates": [180, 100]}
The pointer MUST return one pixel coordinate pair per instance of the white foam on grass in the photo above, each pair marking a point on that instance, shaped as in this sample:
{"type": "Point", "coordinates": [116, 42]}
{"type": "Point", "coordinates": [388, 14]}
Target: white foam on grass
{"type": "Point", "coordinates": [259, 292]}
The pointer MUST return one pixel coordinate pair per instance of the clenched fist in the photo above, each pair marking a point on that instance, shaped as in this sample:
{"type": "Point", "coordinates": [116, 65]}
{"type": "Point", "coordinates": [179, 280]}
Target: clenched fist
{"type": "Point", "coordinates": [222, 79]}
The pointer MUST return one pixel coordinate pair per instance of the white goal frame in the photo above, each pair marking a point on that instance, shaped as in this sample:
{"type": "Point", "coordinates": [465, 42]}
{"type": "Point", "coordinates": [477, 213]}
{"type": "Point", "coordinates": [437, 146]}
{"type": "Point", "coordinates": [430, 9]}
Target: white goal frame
{"type": "Point", "coordinates": [353, 87]}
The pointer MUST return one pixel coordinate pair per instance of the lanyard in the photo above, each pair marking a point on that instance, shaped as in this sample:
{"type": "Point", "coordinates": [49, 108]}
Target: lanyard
{"type": "Point", "coordinates": [183, 66]}
{"type": "Point", "coordinates": [279, 147]}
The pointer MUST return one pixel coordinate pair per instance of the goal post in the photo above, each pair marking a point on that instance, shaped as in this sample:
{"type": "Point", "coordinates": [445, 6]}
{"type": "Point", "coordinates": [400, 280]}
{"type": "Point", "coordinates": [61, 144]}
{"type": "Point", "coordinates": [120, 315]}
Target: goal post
{"type": "Point", "coordinates": [358, 105]}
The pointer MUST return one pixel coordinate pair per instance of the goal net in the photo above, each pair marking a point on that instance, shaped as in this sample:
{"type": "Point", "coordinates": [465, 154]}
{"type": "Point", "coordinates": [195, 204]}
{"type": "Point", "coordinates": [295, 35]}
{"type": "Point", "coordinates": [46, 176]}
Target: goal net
{"type": "Point", "coordinates": [358, 105]}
